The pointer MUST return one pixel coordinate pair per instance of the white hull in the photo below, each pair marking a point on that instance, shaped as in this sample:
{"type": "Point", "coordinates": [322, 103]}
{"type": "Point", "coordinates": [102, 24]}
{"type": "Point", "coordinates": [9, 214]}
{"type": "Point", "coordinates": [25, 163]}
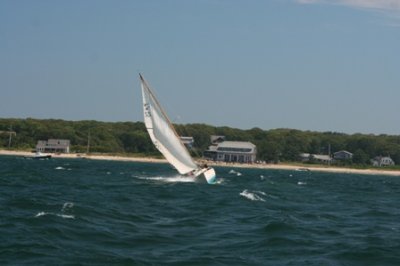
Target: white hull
{"type": "Point", "coordinates": [39, 155]}
{"type": "Point", "coordinates": [208, 174]}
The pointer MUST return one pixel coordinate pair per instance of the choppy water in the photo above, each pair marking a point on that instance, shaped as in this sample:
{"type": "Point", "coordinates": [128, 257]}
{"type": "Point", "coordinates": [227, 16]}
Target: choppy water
{"type": "Point", "coordinates": [84, 212]}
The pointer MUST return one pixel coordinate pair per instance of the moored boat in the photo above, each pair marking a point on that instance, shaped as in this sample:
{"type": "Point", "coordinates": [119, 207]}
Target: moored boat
{"type": "Point", "coordinates": [39, 155]}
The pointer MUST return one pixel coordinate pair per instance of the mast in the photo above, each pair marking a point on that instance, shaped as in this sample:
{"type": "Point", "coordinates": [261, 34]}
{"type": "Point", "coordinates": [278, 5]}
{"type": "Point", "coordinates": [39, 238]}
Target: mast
{"type": "Point", "coordinates": [10, 137]}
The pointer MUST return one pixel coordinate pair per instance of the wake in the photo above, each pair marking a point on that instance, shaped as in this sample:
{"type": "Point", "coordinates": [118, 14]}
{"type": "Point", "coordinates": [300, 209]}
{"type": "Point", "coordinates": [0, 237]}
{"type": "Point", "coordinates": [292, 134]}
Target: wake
{"type": "Point", "coordinates": [172, 179]}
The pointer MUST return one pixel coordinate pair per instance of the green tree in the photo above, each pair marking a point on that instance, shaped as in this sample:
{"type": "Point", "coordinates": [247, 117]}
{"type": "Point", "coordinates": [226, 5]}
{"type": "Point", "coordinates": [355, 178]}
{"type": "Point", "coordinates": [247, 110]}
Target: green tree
{"type": "Point", "coordinates": [360, 157]}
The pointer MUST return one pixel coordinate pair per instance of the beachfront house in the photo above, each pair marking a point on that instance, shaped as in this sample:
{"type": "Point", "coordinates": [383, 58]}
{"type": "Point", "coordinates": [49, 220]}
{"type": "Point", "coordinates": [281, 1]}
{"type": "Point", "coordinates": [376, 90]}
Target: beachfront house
{"type": "Point", "coordinates": [342, 155]}
{"type": "Point", "coordinates": [320, 158]}
{"type": "Point", "coordinates": [53, 146]}
{"type": "Point", "coordinates": [232, 151]}
{"type": "Point", "coordinates": [381, 161]}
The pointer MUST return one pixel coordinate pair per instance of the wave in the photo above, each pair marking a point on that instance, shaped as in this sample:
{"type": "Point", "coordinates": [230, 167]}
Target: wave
{"type": "Point", "coordinates": [233, 172]}
{"type": "Point", "coordinates": [65, 216]}
{"type": "Point", "coordinates": [67, 206]}
{"type": "Point", "coordinates": [254, 196]}
{"type": "Point", "coordinates": [219, 181]}
{"type": "Point", "coordinates": [62, 168]}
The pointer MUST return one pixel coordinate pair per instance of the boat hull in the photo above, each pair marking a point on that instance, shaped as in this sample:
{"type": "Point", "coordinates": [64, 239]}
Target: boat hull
{"type": "Point", "coordinates": [208, 174]}
{"type": "Point", "coordinates": [42, 157]}
{"type": "Point", "coordinates": [39, 156]}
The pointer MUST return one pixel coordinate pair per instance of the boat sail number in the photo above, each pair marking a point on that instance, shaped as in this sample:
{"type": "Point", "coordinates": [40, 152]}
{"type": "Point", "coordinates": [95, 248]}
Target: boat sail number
{"type": "Point", "coordinates": [147, 112]}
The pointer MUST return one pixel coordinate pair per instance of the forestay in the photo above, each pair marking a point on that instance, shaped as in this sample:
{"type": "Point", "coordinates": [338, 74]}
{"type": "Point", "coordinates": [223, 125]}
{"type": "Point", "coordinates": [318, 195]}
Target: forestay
{"type": "Point", "coordinates": [162, 133]}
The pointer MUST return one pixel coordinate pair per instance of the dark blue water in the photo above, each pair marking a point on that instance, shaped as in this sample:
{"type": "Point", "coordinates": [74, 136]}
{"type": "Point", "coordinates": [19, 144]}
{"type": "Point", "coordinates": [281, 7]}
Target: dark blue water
{"type": "Point", "coordinates": [84, 212]}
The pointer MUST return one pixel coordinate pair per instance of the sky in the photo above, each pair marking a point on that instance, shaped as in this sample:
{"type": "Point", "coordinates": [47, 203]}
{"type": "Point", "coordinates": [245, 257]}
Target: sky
{"type": "Point", "coordinates": [303, 64]}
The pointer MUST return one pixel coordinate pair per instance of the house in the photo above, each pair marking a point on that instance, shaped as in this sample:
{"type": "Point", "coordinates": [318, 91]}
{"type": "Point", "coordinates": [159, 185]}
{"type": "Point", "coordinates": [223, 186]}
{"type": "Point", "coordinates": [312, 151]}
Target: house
{"type": "Point", "coordinates": [188, 141]}
{"type": "Point", "coordinates": [321, 158]}
{"type": "Point", "coordinates": [342, 155]}
{"type": "Point", "coordinates": [53, 146]}
{"type": "Point", "coordinates": [382, 161]}
{"type": "Point", "coordinates": [232, 151]}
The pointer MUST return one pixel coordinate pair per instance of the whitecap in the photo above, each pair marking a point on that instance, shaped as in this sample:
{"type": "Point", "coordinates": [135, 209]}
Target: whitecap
{"type": "Point", "coordinates": [301, 183]}
{"type": "Point", "coordinates": [251, 195]}
{"type": "Point", "coordinates": [219, 181]}
{"type": "Point", "coordinates": [59, 168]}
{"type": "Point", "coordinates": [67, 206]}
{"type": "Point", "coordinates": [65, 216]}
{"type": "Point", "coordinates": [40, 214]}
{"type": "Point", "coordinates": [233, 172]}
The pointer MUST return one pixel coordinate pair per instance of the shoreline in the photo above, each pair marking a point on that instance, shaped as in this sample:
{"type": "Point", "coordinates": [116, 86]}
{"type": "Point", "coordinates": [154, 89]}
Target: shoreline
{"type": "Point", "coordinates": [310, 168]}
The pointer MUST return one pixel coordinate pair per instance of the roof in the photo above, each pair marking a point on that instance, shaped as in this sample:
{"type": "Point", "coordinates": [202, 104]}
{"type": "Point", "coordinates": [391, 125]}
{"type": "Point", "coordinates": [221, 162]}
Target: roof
{"type": "Point", "coordinates": [347, 152]}
{"type": "Point", "coordinates": [316, 156]}
{"type": "Point", "coordinates": [322, 157]}
{"type": "Point", "coordinates": [383, 158]}
{"type": "Point", "coordinates": [236, 144]}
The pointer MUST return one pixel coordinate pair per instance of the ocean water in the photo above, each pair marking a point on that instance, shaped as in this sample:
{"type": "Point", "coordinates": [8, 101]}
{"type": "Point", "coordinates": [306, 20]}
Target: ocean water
{"type": "Point", "coordinates": [87, 212]}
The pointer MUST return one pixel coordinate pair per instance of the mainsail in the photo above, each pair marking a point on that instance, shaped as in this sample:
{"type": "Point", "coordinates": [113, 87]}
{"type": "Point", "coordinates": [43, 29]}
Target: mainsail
{"type": "Point", "coordinates": [163, 134]}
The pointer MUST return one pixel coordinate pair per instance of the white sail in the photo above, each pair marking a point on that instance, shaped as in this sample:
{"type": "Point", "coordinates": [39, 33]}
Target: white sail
{"type": "Point", "coordinates": [163, 134]}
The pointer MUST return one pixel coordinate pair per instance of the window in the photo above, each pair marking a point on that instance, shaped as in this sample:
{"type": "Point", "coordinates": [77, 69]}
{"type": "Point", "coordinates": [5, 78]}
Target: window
{"type": "Point", "coordinates": [234, 149]}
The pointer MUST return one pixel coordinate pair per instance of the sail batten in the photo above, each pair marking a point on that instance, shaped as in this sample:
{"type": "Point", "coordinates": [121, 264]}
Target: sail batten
{"type": "Point", "coordinates": [163, 134]}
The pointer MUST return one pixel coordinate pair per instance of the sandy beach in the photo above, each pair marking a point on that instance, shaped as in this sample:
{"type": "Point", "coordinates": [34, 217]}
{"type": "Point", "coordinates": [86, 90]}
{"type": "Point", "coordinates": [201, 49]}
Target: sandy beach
{"type": "Point", "coordinates": [260, 166]}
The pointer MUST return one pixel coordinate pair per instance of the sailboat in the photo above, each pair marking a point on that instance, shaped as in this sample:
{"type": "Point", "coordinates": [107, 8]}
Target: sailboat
{"type": "Point", "coordinates": [167, 141]}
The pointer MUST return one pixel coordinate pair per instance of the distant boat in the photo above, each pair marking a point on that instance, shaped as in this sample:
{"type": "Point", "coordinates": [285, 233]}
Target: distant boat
{"type": "Point", "coordinates": [39, 155]}
{"type": "Point", "coordinates": [167, 141]}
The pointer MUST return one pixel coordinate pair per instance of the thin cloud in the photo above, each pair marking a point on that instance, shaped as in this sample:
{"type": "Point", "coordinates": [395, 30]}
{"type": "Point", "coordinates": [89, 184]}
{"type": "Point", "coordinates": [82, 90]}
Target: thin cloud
{"type": "Point", "coordinates": [387, 5]}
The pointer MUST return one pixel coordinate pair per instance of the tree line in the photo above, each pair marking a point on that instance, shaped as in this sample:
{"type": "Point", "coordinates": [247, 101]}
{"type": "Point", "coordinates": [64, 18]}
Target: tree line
{"type": "Point", "coordinates": [131, 137]}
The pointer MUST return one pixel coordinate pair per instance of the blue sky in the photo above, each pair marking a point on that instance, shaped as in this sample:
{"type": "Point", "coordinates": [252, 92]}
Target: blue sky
{"type": "Point", "coordinates": [303, 64]}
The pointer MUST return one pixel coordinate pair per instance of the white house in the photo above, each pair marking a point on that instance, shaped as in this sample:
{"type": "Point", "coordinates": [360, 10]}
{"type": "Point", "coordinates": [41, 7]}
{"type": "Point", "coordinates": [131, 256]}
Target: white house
{"type": "Point", "coordinates": [232, 151]}
{"type": "Point", "coordinates": [306, 157]}
{"type": "Point", "coordinates": [382, 161]}
{"type": "Point", "coordinates": [53, 145]}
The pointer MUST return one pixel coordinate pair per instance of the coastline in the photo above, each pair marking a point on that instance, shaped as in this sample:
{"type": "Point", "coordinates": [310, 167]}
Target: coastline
{"type": "Point", "coordinates": [233, 165]}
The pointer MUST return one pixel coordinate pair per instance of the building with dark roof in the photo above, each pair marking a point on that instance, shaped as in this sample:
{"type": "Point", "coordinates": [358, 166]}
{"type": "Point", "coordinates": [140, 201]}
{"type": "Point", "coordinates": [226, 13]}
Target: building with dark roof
{"type": "Point", "coordinates": [232, 151]}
